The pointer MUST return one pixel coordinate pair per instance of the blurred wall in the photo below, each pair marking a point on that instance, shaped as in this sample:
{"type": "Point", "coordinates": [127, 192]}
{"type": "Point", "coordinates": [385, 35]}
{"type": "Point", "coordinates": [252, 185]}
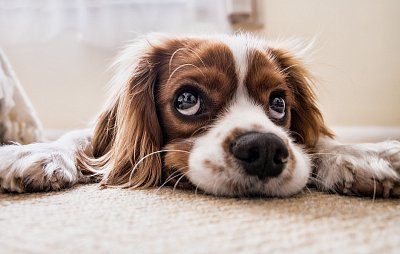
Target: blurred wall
{"type": "Point", "coordinates": [356, 58]}
{"type": "Point", "coordinates": [356, 61]}
{"type": "Point", "coordinates": [64, 79]}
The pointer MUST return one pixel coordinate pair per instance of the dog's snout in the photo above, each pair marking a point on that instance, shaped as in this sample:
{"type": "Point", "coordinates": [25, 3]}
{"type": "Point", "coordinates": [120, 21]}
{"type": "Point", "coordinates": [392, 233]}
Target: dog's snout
{"type": "Point", "coordinates": [260, 154]}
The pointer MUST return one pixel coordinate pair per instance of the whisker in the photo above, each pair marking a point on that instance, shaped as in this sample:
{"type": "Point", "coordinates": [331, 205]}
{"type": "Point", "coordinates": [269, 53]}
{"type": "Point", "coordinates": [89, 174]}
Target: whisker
{"type": "Point", "coordinates": [180, 178]}
{"type": "Point", "coordinates": [283, 71]}
{"type": "Point", "coordinates": [172, 57]}
{"type": "Point", "coordinates": [195, 53]}
{"type": "Point", "coordinates": [322, 153]}
{"type": "Point", "coordinates": [308, 189]}
{"type": "Point", "coordinates": [151, 154]}
{"type": "Point", "coordinates": [374, 194]}
{"type": "Point", "coordinates": [180, 49]}
{"type": "Point", "coordinates": [199, 129]}
{"type": "Point", "coordinates": [182, 66]}
{"type": "Point", "coordinates": [311, 154]}
{"type": "Point", "coordinates": [173, 176]}
{"type": "Point", "coordinates": [197, 187]}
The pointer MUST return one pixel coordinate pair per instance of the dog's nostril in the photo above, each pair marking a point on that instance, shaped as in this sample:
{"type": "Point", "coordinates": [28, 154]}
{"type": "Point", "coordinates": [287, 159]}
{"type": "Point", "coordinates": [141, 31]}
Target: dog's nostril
{"type": "Point", "coordinates": [244, 151]}
{"type": "Point", "coordinates": [260, 154]}
{"type": "Point", "coordinates": [254, 154]}
{"type": "Point", "coordinates": [281, 156]}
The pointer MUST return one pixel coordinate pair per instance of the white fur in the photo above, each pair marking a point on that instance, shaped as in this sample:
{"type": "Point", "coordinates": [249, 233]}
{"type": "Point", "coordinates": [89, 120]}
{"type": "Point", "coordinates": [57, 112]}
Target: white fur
{"type": "Point", "coordinates": [346, 164]}
{"type": "Point", "coordinates": [42, 166]}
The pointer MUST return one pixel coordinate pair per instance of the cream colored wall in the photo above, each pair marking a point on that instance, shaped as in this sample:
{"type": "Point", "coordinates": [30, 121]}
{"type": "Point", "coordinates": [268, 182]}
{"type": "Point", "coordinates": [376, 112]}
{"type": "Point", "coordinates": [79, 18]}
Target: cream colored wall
{"type": "Point", "coordinates": [357, 62]}
{"type": "Point", "coordinates": [64, 79]}
{"type": "Point", "coordinates": [357, 56]}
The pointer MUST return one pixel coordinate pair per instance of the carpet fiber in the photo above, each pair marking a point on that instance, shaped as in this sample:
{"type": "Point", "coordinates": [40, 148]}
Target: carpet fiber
{"type": "Point", "coordinates": [86, 219]}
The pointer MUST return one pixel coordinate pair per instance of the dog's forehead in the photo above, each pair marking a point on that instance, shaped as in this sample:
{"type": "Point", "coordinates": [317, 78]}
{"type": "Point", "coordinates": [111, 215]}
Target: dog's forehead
{"type": "Point", "coordinates": [244, 49]}
{"type": "Point", "coordinates": [235, 56]}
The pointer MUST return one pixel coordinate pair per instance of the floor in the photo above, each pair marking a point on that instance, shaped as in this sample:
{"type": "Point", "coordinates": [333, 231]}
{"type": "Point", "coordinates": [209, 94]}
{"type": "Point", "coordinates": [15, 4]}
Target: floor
{"type": "Point", "coordinates": [86, 219]}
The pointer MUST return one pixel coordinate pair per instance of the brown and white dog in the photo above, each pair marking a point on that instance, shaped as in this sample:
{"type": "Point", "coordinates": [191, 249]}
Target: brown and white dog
{"type": "Point", "coordinates": [228, 115]}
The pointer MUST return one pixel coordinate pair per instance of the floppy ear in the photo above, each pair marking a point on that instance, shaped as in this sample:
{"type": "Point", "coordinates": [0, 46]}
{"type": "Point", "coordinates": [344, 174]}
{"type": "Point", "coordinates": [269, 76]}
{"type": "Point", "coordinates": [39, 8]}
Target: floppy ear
{"type": "Point", "coordinates": [128, 129]}
{"type": "Point", "coordinates": [307, 123]}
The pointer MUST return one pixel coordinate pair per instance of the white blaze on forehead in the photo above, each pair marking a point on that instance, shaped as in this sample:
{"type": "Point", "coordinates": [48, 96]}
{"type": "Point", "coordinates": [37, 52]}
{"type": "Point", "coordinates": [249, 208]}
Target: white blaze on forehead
{"type": "Point", "coordinates": [240, 54]}
{"type": "Point", "coordinates": [241, 47]}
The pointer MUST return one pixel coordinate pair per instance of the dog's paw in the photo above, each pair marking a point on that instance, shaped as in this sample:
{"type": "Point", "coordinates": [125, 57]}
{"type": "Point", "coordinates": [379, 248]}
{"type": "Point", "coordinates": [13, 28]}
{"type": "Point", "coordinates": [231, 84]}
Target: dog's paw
{"type": "Point", "coordinates": [36, 167]}
{"type": "Point", "coordinates": [364, 169]}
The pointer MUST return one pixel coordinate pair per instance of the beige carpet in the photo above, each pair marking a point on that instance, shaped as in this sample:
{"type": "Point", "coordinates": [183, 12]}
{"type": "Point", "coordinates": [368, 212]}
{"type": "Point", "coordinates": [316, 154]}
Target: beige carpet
{"type": "Point", "coordinates": [88, 220]}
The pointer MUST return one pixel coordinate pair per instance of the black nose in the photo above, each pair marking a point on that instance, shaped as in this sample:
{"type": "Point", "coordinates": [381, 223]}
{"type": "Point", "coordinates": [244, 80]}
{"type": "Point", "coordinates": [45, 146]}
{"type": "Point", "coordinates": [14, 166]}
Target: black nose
{"type": "Point", "coordinates": [260, 154]}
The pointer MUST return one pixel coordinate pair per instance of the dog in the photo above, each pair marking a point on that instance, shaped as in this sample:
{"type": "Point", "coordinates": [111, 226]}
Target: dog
{"type": "Point", "coordinates": [229, 115]}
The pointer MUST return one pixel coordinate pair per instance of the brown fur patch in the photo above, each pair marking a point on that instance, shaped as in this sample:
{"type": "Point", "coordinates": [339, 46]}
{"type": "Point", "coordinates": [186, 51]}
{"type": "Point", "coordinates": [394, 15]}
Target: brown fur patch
{"type": "Point", "coordinates": [226, 145]}
{"type": "Point", "coordinates": [208, 68]}
{"type": "Point", "coordinates": [306, 122]}
{"type": "Point", "coordinates": [213, 167]}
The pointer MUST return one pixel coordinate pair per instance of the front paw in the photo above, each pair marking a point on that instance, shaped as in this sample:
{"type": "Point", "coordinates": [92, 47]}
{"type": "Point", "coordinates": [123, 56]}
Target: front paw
{"type": "Point", "coordinates": [366, 169]}
{"type": "Point", "coordinates": [36, 167]}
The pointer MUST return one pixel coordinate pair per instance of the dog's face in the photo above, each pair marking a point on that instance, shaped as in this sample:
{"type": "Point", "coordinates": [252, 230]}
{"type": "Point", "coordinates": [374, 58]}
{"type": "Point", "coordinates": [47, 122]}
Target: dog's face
{"type": "Point", "coordinates": [227, 115]}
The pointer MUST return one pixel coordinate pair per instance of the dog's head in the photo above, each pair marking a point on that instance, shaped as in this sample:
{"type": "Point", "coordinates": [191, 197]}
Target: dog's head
{"type": "Point", "coordinates": [229, 115]}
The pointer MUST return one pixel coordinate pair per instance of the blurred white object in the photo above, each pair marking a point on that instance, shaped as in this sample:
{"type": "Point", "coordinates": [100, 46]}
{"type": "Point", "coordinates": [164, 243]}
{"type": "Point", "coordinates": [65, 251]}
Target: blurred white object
{"type": "Point", "coordinates": [243, 12]}
{"type": "Point", "coordinates": [18, 120]}
{"type": "Point", "coordinates": [239, 10]}
{"type": "Point", "coordinates": [107, 23]}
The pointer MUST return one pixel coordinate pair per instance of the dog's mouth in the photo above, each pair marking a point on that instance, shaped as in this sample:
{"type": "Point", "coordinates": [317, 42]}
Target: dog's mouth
{"type": "Point", "coordinates": [252, 187]}
{"type": "Point", "coordinates": [232, 181]}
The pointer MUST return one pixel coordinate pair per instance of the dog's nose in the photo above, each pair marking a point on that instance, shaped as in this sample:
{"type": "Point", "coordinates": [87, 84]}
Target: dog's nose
{"type": "Point", "coordinates": [260, 154]}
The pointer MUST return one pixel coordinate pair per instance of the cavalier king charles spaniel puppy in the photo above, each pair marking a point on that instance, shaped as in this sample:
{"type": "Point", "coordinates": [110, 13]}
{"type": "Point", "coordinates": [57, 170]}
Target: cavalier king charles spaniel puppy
{"type": "Point", "coordinates": [229, 115]}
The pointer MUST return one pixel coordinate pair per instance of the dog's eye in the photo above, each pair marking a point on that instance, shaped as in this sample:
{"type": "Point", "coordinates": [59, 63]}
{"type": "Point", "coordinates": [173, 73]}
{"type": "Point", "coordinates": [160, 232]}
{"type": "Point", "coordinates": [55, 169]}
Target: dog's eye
{"type": "Point", "coordinates": [277, 107]}
{"type": "Point", "coordinates": [188, 103]}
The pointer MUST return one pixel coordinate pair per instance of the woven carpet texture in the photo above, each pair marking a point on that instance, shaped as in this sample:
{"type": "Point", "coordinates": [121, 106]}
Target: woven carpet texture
{"type": "Point", "coordinates": [86, 219]}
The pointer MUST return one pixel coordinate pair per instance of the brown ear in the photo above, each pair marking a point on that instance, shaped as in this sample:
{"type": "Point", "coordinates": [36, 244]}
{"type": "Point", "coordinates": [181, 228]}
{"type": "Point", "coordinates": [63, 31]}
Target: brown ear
{"type": "Point", "coordinates": [128, 129]}
{"type": "Point", "coordinates": [307, 123]}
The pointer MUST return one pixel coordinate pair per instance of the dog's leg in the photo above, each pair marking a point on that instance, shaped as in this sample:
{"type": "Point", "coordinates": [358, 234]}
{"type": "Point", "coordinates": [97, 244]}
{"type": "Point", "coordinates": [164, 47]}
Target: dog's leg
{"type": "Point", "coordinates": [361, 169]}
{"type": "Point", "coordinates": [43, 166]}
